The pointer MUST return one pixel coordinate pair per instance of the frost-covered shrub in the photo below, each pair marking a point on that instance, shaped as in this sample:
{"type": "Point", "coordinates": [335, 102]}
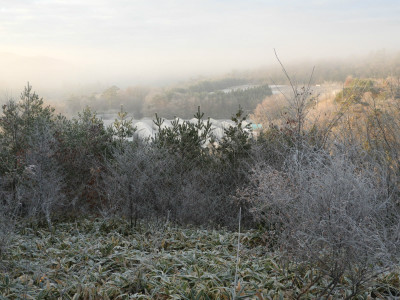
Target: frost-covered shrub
{"type": "Point", "coordinates": [5, 231]}
{"type": "Point", "coordinates": [133, 182]}
{"type": "Point", "coordinates": [178, 175]}
{"type": "Point", "coordinates": [143, 181]}
{"type": "Point", "coordinates": [40, 191]}
{"type": "Point", "coordinates": [330, 213]}
{"type": "Point", "coordinates": [6, 219]}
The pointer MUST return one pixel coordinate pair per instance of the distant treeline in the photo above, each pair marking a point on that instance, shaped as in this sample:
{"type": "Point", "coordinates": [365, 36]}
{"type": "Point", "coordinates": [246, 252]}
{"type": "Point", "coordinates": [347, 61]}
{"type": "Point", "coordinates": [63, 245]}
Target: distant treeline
{"type": "Point", "coordinates": [216, 104]}
{"type": "Point", "coordinates": [178, 101]}
{"type": "Point", "coordinates": [212, 86]}
{"type": "Point", "coordinates": [380, 64]}
{"type": "Point", "coordinates": [220, 98]}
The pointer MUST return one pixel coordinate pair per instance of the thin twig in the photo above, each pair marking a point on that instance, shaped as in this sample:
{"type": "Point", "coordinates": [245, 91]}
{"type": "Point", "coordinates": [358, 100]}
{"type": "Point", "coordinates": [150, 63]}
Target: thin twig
{"type": "Point", "coordinates": [286, 73]}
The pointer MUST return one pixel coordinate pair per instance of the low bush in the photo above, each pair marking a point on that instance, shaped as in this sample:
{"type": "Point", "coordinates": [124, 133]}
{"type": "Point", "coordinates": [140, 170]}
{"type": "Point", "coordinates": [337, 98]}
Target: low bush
{"type": "Point", "coordinates": [4, 233]}
{"type": "Point", "coordinates": [6, 230]}
{"type": "Point", "coordinates": [328, 213]}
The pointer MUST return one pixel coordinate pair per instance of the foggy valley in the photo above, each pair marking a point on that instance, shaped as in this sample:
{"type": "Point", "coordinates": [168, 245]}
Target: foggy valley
{"type": "Point", "coordinates": [199, 149]}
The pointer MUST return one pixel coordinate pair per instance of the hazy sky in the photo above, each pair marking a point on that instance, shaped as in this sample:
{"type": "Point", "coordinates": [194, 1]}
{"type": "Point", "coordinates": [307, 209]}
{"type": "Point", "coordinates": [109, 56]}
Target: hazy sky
{"type": "Point", "coordinates": [112, 40]}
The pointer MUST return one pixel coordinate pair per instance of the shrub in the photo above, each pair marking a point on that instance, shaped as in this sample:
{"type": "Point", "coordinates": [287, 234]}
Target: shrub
{"type": "Point", "coordinates": [178, 174]}
{"type": "Point", "coordinates": [6, 217]}
{"type": "Point", "coordinates": [6, 227]}
{"type": "Point", "coordinates": [84, 145]}
{"type": "Point", "coordinates": [329, 213]}
{"type": "Point", "coordinates": [131, 182]}
{"type": "Point", "coordinates": [40, 189]}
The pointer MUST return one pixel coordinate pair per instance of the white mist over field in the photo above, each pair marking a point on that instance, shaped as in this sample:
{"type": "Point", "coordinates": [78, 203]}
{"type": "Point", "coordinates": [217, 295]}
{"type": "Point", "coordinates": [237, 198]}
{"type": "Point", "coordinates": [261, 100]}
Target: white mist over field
{"type": "Point", "coordinates": [59, 44]}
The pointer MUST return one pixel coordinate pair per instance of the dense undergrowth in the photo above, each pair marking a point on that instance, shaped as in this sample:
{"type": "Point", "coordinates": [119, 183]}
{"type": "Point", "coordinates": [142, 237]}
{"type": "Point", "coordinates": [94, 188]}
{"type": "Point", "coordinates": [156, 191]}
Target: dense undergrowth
{"type": "Point", "coordinates": [107, 259]}
{"type": "Point", "coordinates": [323, 193]}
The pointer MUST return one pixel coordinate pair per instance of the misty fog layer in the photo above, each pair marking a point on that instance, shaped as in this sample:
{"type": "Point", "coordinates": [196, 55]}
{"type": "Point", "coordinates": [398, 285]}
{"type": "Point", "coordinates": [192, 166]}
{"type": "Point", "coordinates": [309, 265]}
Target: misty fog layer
{"type": "Point", "coordinates": [57, 45]}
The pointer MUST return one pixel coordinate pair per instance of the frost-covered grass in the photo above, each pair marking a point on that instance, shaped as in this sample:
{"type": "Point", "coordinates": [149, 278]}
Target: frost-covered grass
{"type": "Point", "coordinates": [106, 259]}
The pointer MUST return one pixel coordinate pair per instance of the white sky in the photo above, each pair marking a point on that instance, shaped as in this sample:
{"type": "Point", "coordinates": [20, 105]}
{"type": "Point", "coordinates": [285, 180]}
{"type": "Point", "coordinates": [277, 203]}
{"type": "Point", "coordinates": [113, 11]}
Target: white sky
{"type": "Point", "coordinates": [131, 40]}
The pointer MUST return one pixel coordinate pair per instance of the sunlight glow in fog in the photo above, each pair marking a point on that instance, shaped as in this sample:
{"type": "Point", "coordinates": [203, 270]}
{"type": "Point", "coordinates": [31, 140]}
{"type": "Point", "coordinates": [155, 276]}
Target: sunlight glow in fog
{"type": "Point", "coordinates": [58, 42]}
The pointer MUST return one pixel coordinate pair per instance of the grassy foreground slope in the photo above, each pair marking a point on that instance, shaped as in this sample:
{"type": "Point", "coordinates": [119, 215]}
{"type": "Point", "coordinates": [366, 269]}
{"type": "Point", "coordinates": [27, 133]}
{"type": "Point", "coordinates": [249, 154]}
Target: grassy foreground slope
{"type": "Point", "coordinates": [106, 259]}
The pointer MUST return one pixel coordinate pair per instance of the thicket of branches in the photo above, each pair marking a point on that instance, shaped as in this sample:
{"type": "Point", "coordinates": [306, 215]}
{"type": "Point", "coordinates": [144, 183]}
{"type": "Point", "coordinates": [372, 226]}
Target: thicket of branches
{"type": "Point", "coordinates": [54, 167]}
{"type": "Point", "coordinates": [330, 199]}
